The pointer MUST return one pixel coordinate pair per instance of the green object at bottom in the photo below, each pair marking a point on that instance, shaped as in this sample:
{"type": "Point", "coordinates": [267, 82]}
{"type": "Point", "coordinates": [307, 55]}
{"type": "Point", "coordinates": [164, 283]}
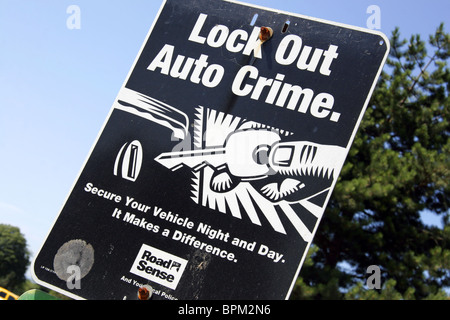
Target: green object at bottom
{"type": "Point", "coordinates": [35, 294]}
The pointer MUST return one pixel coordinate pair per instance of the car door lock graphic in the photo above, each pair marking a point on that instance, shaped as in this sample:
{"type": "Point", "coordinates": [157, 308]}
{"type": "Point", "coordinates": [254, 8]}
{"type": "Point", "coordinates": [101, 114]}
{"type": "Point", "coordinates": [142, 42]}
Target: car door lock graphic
{"type": "Point", "coordinates": [244, 167]}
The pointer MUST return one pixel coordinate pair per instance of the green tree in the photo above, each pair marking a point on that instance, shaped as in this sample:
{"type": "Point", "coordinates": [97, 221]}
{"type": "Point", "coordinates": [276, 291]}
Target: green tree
{"type": "Point", "coordinates": [14, 258]}
{"type": "Point", "coordinates": [398, 166]}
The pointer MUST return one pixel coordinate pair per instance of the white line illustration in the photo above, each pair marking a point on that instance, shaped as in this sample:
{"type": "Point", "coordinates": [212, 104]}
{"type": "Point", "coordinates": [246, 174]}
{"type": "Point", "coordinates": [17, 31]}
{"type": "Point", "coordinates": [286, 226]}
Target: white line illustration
{"type": "Point", "coordinates": [153, 110]}
{"type": "Point", "coordinates": [244, 167]}
{"type": "Point", "coordinates": [129, 161]}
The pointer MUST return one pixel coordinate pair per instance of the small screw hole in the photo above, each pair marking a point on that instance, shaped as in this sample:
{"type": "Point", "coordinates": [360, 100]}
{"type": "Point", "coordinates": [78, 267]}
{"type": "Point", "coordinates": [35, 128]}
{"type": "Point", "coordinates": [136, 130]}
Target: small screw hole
{"type": "Point", "coordinates": [286, 26]}
{"type": "Point", "coordinates": [255, 17]}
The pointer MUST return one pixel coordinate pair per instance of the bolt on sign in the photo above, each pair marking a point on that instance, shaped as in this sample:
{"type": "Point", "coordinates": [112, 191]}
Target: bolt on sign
{"type": "Point", "coordinates": [215, 164]}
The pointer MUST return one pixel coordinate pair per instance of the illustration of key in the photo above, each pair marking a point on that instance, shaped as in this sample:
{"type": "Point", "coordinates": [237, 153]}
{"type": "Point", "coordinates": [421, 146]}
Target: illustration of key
{"type": "Point", "coordinates": [256, 154]}
{"type": "Point", "coordinates": [245, 153]}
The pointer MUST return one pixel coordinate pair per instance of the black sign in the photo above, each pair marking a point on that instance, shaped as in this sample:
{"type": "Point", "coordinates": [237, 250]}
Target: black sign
{"type": "Point", "coordinates": [214, 167]}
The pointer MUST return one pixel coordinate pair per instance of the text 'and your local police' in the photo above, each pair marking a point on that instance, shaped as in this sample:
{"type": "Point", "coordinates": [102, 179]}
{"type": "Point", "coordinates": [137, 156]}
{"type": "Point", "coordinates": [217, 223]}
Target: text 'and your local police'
{"type": "Point", "coordinates": [247, 81]}
{"type": "Point", "coordinates": [177, 235]}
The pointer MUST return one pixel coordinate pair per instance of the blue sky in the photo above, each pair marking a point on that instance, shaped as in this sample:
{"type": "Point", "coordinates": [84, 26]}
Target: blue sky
{"type": "Point", "coordinates": [57, 85]}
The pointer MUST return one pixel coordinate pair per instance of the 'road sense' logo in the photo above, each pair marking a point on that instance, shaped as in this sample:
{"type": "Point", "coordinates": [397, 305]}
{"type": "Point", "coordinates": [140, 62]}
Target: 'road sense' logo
{"type": "Point", "coordinates": [158, 266]}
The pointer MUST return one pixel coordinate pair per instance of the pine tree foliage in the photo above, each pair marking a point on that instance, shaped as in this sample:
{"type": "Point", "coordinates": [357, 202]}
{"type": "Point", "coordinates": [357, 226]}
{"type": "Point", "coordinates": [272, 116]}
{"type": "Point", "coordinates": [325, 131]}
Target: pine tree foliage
{"type": "Point", "coordinates": [398, 166]}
